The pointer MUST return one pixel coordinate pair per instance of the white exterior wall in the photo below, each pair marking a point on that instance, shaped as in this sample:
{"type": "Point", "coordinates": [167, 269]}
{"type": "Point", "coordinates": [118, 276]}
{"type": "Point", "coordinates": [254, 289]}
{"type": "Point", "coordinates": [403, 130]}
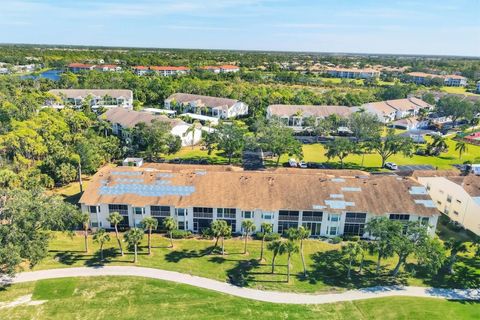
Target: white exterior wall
{"type": "Point", "coordinates": [134, 219]}
{"type": "Point", "coordinates": [187, 139]}
{"type": "Point", "coordinates": [238, 109]}
{"type": "Point", "coordinates": [462, 208]}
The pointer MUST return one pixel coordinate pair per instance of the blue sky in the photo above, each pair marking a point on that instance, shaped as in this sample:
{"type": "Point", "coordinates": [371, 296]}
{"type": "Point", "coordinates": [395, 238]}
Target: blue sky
{"type": "Point", "coordinates": [373, 26]}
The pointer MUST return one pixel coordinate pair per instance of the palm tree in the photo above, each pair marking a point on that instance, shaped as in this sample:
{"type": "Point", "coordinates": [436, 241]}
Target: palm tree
{"type": "Point", "coordinates": [277, 247]}
{"type": "Point", "coordinates": [170, 224]}
{"type": "Point", "coordinates": [115, 218]}
{"type": "Point", "coordinates": [101, 237]}
{"type": "Point", "coordinates": [221, 229]}
{"type": "Point", "coordinates": [461, 147]}
{"type": "Point", "coordinates": [439, 143]}
{"type": "Point", "coordinates": [133, 238]}
{"type": "Point", "coordinates": [364, 248]}
{"type": "Point", "coordinates": [192, 129]}
{"type": "Point", "coordinates": [150, 224]}
{"type": "Point", "coordinates": [303, 234]}
{"type": "Point", "coordinates": [351, 250]}
{"type": "Point", "coordinates": [85, 219]}
{"type": "Point", "coordinates": [455, 247]}
{"type": "Point", "coordinates": [248, 226]}
{"type": "Point", "coordinates": [290, 247]}
{"type": "Point", "coordinates": [267, 228]}
{"type": "Point", "coordinates": [104, 127]}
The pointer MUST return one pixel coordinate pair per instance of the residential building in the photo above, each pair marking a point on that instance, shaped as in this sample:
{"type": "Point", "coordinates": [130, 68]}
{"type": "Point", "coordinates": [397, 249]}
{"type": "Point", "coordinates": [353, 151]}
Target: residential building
{"type": "Point", "coordinates": [79, 67]}
{"type": "Point", "coordinates": [458, 197]}
{"type": "Point", "coordinates": [297, 116]}
{"type": "Point", "coordinates": [222, 108]}
{"type": "Point", "coordinates": [390, 110]}
{"type": "Point", "coordinates": [105, 98]}
{"type": "Point", "coordinates": [353, 73]}
{"type": "Point", "coordinates": [160, 70]}
{"type": "Point", "coordinates": [451, 80]}
{"type": "Point", "coordinates": [478, 87]}
{"type": "Point", "coordinates": [226, 68]}
{"type": "Point", "coordinates": [327, 202]}
{"type": "Point", "coordinates": [122, 119]}
{"type": "Point", "coordinates": [108, 68]}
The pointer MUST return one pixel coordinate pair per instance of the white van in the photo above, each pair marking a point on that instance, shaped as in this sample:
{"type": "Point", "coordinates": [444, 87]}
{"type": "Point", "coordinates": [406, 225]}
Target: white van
{"type": "Point", "coordinates": [292, 163]}
{"type": "Point", "coordinates": [476, 169]}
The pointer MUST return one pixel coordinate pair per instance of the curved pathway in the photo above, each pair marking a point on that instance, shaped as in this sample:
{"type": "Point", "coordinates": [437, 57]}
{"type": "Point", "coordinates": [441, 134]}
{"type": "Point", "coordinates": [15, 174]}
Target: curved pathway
{"type": "Point", "coordinates": [260, 295]}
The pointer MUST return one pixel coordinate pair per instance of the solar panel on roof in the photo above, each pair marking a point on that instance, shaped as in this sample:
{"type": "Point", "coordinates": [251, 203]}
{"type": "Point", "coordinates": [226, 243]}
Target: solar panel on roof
{"type": "Point", "coordinates": [338, 204]}
{"type": "Point", "coordinates": [336, 196]}
{"type": "Point", "coordinates": [338, 180]}
{"type": "Point", "coordinates": [147, 190]}
{"type": "Point", "coordinates": [126, 173]}
{"type": "Point", "coordinates": [165, 175]}
{"type": "Point", "coordinates": [418, 190]}
{"type": "Point", "coordinates": [353, 189]}
{"type": "Point", "coordinates": [426, 203]}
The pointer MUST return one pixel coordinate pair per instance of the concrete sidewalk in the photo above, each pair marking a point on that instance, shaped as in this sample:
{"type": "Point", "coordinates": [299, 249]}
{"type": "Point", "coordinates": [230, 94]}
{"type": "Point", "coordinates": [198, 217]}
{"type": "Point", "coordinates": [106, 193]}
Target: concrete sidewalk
{"type": "Point", "coordinates": [260, 295]}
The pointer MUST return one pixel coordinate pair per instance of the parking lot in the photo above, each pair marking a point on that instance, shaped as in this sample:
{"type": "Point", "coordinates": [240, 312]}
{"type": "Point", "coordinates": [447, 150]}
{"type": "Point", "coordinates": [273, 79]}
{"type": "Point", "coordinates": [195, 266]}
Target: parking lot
{"type": "Point", "coordinates": [415, 167]}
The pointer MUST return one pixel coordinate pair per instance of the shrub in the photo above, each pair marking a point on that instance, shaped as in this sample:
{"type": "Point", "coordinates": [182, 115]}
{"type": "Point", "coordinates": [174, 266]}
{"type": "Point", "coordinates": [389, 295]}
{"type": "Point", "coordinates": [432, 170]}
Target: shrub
{"type": "Point", "coordinates": [207, 233]}
{"type": "Point", "coordinates": [351, 238]}
{"type": "Point", "coordinates": [181, 234]}
{"type": "Point", "coordinates": [269, 237]}
{"type": "Point", "coordinates": [336, 240]}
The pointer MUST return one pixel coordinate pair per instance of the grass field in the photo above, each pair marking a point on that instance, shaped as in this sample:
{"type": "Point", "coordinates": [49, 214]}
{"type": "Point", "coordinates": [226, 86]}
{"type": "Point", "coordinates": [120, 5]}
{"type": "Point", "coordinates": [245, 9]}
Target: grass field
{"type": "Point", "coordinates": [137, 298]}
{"type": "Point", "coordinates": [325, 265]}
{"type": "Point", "coordinates": [316, 153]}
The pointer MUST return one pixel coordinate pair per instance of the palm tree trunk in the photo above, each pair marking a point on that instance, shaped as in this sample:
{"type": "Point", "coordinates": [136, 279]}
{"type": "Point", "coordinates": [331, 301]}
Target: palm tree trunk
{"type": "Point", "coordinates": [86, 239]}
{"type": "Point", "coordinates": [149, 242]}
{"type": "Point", "coordinates": [135, 254]}
{"type": "Point", "coordinates": [223, 247]}
{"type": "Point", "coordinates": [288, 268]}
{"type": "Point", "coordinates": [101, 252]}
{"type": "Point", "coordinates": [171, 239]}
{"type": "Point", "coordinates": [278, 161]}
{"type": "Point", "coordinates": [397, 267]}
{"type": "Point", "coordinates": [273, 263]}
{"type": "Point", "coordinates": [245, 246]}
{"type": "Point", "coordinates": [261, 250]}
{"type": "Point", "coordinates": [216, 243]}
{"type": "Point", "coordinates": [80, 182]}
{"type": "Point", "coordinates": [453, 258]}
{"type": "Point", "coordinates": [361, 264]}
{"type": "Point", "coordinates": [378, 263]}
{"type": "Point", "coordinates": [118, 240]}
{"type": "Point", "coordinates": [349, 269]}
{"type": "Point", "coordinates": [303, 259]}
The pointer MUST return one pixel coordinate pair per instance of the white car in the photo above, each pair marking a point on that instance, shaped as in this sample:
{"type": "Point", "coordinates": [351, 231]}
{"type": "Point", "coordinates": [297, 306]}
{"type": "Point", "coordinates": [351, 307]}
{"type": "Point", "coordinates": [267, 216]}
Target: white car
{"type": "Point", "coordinates": [391, 166]}
{"type": "Point", "coordinates": [292, 163]}
{"type": "Point", "coordinates": [302, 164]}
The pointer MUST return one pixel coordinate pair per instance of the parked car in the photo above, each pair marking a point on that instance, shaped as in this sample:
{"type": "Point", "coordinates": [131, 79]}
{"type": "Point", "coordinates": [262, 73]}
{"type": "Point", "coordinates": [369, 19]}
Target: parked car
{"type": "Point", "coordinates": [391, 166]}
{"type": "Point", "coordinates": [302, 164]}
{"type": "Point", "coordinates": [292, 163]}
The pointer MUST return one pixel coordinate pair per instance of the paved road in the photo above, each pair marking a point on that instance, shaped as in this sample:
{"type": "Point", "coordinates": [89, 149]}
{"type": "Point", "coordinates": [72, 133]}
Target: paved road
{"type": "Point", "coordinates": [260, 295]}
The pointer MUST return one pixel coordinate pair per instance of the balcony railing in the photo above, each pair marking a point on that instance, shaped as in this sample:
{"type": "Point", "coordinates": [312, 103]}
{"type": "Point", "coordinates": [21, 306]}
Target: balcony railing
{"type": "Point", "coordinates": [355, 220]}
{"type": "Point", "coordinates": [288, 218]}
{"type": "Point", "coordinates": [202, 215]}
{"type": "Point", "coordinates": [312, 219]}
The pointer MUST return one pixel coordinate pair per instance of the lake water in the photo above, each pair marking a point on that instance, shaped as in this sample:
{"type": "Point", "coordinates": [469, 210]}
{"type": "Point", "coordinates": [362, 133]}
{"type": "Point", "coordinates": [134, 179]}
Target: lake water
{"type": "Point", "coordinates": [50, 74]}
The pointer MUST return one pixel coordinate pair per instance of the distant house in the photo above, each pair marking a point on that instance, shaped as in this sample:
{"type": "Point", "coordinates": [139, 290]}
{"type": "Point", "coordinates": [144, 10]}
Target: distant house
{"type": "Point", "coordinates": [390, 110]}
{"type": "Point", "coordinates": [79, 67]}
{"type": "Point", "coordinates": [458, 197]}
{"type": "Point", "coordinates": [478, 87]}
{"type": "Point", "coordinates": [106, 98]}
{"type": "Point", "coordinates": [222, 108]}
{"type": "Point", "coordinates": [226, 68]}
{"type": "Point", "coordinates": [122, 119]}
{"type": "Point", "coordinates": [295, 116]}
{"type": "Point", "coordinates": [450, 80]}
{"type": "Point", "coordinates": [160, 70]}
{"type": "Point", "coordinates": [353, 73]}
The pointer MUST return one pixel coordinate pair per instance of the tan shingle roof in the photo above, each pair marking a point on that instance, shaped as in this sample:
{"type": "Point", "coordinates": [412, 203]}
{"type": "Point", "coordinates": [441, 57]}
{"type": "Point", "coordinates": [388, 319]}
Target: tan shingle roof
{"type": "Point", "coordinates": [75, 93]}
{"type": "Point", "coordinates": [306, 110]}
{"type": "Point", "coordinates": [298, 189]}
{"type": "Point", "coordinates": [208, 101]}
{"type": "Point", "coordinates": [470, 183]}
{"type": "Point", "coordinates": [129, 118]}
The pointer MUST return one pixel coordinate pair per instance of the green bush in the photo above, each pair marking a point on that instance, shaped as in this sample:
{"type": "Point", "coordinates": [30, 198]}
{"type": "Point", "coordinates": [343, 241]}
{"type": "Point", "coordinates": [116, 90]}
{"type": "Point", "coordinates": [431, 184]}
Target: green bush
{"type": "Point", "coordinates": [351, 238]}
{"type": "Point", "coordinates": [269, 237]}
{"type": "Point", "coordinates": [336, 240]}
{"type": "Point", "coordinates": [181, 234]}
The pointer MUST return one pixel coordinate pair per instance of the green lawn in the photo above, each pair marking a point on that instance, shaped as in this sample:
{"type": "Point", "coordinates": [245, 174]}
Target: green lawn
{"type": "Point", "coordinates": [326, 267]}
{"type": "Point", "coordinates": [138, 298]}
{"type": "Point", "coordinates": [456, 90]}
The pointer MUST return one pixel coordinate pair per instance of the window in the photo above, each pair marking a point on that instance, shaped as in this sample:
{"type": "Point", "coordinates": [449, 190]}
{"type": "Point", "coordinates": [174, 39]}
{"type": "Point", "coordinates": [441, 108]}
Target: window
{"type": "Point", "coordinates": [160, 211]}
{"type": "Point", "coordinates": [439, 203]}
{"type": "Point", "coordinates": [288, 215]}
{"type": "Point", "coordinates": [93, 209]}
{"type": "Point", "coordinates": [201, 212]}
{"type": "Point", "coordinates": [120, 208]}
{"type": "Point", "coordinates": [400, 217]}
{"type": "Point", "coordinates": [247, 214]}
{"type": "Point", "coordinates": [94, 224]}
{"type": "Point", "coordinates": [285, 225]}
{"type": "Point", "coordinates": [449, 198]}
{"type": "Point", "coordinates": [446, 210]}
{"type": "Point", "coordinates": [229, 213]}
{"type": "Point", "coordinates": [423, 220]}
{"type": "Point", "coordinates": [334, 217]}
{"type": "Point", "coordinates": [181, 212]}
{"type": "Point", "coordinates": [441, 191]}
{"type": "Point", "coordinates": [455, 212]}
{"type": "Point", "coordinates": [314, 228]}
{"type": "Point", "coordinates": [428, 186]}
{"type": "Point", "coordinates": [267, 215]}
{"type": "Point", "coordinates": [312, 216]}
{"type": "Point", "coordinates": [333, 231]}
{"type": "Point", "coordinates": [458, 201]}
{"type": "Point", "coordinates": [138, 210]}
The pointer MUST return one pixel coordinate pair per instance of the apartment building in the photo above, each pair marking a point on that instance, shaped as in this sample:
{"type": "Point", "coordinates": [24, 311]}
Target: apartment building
{"type": "Point", "coordinates": [298, 117]}
{"type": "Point", "coordinates": [351, 73]}
{"type": "Point", "coordinates": [451, 80]}
{"type": "Point", "coordinates": [226, 68]}
{"type": "Point", "coordinates": [79, 67]}
{"type": "Point", "coordinates": [327, 202]}
{"type": "Point", "coordinates": [390, 110]}
{"type": "Point", "coordinates": [458, 197]}
{"type": "Point", "coordinates": [106, 98]}
{"type": "Point", "coordinates": [160, 70]}
{"type": "Point", "coordinates": [478, 87]}
{"type": "Point", "coordinates": [122, 119]}
{"type": "Point", "coordinates": [222, 108]}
